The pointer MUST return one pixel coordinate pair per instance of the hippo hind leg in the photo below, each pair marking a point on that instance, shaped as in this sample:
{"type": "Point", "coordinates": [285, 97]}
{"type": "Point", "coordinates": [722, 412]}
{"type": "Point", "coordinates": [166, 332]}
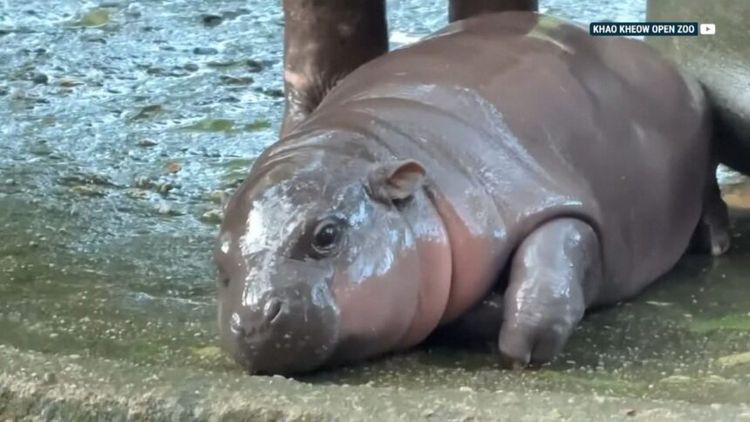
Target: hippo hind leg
{"type": "Point", "coordinates": [711, 235]}
{"type": "Point", "coordinates": [464, 9]}
{"type": "Point", "coordinates": [554, 275]}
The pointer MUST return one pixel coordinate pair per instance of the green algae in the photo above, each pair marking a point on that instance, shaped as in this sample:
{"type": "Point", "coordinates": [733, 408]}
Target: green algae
{"type": "Point", "coordinates": [227, 126]}
{"type": "Point", "coordinates": [736, 359]}
{"type": "Point", "coordinates": [739, 322]}
{"type": "Point", "coordinates": [95, 17]}
{"type": "Point", "coordinates": [258, 124]}
{"type": "Point", "coordinates": [211, 125]}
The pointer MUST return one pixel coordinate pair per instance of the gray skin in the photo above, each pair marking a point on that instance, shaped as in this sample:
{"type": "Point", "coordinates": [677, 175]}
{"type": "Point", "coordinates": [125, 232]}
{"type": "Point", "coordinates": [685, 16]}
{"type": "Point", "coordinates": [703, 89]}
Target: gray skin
{"type": "Point", "coordinates": [721, 63]}
{"type": "Point", "coordinates": [324, 40]}
{"type": "Point", "coordinates": [510, 172]}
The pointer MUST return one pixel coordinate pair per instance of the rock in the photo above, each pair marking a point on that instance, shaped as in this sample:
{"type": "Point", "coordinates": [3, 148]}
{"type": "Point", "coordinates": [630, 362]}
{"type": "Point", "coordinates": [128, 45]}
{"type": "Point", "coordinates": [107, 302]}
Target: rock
{"type": "Point", "coordinates": [271, 92]}
{"type": "Point", "coordinates": [254, 65]}
{"type": "Point", "coordinates": [88, 190]}
{"type": "Point", "coordinates": [143, 182]}
{"type": "Point", "coordinates": [165, 188]}
{"type": "Point", "coordinates": [68, 83]}
{"type": "Point", "coordinates": [205, 51]}
{"type": "Point", "coordinates": [50, 378]}
{"type": "Point", "coordinates": [39, 78]}
{"type": "Point", "coordinates": [85, 178]}
{"type": "Point", "coordinates": [213, 216]}
{"type": "Point", "coordinates": [146, 143]}
{"type": "Point", "coordinates": [211, 20]}
{"type": "Point", "coordinates": [172, 167]}
{"type": "Point", "coordinates": [134, 10]}
{"type": "Point", "coordinates": [235, 80]}
{"type": "Point", "coordinates": [166, 210]}
{"type": "Point", "coordinates": [136, 193]}
{"type": "Point", "coordinates": [217, 196]}
{"type": "Point", "coordinates": [147, 112]}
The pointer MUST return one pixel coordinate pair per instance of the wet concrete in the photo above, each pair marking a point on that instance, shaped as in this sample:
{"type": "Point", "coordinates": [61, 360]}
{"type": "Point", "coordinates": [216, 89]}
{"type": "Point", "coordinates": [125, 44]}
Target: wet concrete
{"type": "Point", "coordinates": [70, 388]}
{"type": "Point", "coordinates": [125, 125]}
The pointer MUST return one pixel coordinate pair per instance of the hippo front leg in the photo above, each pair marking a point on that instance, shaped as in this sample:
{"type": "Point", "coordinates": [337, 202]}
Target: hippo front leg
{"type": "Point", "coordinates": [554, 276]}
{"type": "Point", "coordinates": [324, 40]}
{"type": "Point", "coordinates": [464, 9]}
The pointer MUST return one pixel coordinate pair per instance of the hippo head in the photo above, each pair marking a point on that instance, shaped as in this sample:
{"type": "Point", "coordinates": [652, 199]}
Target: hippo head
{"type": "Point", "coordinates": [316, 262]}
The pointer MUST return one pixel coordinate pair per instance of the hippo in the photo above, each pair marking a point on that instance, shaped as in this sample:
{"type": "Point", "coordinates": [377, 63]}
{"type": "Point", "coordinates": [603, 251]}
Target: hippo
{"type": "Point", "coordinates": [509, 166]}
{"type": "Point", "coordinates": [324, 40]}
{"type": "Point", "coordinates": [721, 63]}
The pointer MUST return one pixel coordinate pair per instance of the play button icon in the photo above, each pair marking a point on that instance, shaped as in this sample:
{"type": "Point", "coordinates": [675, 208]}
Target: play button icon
{"type": "Point", "coordinates": [708, 29]}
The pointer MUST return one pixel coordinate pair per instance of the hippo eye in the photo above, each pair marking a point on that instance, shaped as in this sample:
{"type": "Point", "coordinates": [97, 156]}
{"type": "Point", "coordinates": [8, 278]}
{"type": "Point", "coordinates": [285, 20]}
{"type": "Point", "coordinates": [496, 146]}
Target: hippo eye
{"type": "Point", "coordinates": [326, 236]}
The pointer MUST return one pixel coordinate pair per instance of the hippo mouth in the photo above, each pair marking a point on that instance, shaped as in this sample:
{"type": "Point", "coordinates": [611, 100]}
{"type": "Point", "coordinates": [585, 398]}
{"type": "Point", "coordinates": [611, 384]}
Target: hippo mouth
{"type": "Point", "coordinates": [287, 342]}
{"type": "Point", "coordinates": [273, 357]}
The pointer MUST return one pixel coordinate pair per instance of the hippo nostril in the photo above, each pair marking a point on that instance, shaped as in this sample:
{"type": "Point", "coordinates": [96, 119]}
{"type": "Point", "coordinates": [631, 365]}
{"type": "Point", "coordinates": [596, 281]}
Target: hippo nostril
{"type": "Point", "coordinates": [274, 307]}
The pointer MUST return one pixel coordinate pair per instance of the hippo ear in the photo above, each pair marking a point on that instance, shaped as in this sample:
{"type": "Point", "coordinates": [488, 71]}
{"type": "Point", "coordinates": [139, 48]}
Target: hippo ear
{"type": "Point", "coordinates": [395, 181]}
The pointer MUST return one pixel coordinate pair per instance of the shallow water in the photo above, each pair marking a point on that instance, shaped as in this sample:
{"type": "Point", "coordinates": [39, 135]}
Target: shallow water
{"type": "Point", "coordinates": [126, 124]}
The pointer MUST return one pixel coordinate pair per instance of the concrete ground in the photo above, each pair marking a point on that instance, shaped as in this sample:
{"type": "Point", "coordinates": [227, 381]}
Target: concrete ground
{"type": "Point", "coordinates": [36, 386]}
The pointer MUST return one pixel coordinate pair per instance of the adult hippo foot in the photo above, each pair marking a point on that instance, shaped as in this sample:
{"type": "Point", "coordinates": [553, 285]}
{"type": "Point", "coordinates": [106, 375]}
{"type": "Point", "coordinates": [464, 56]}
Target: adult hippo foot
{"type": "Point", "coordinates": [712, 236]}
{"type": "Point", "coordinates": [553, 273]}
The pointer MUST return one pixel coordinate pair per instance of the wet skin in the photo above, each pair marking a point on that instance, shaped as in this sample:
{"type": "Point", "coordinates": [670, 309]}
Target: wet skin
{"type": "Point", "coordinates": [441, 183]}
{"type": "Point", "coordinates": [325, 40]}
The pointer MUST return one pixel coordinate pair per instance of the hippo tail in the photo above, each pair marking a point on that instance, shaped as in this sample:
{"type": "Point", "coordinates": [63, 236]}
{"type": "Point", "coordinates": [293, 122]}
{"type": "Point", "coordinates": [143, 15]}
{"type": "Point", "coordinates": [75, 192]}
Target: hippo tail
{"type": "Point", "coordinates": [731, 133]}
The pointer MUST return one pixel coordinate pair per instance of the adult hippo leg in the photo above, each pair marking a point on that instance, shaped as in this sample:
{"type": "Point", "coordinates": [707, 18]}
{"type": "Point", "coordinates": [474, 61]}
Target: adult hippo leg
{"type": "Point", "coordinates": [324, 40]}
{"type": "Point", "coordinates": [554, 276]}
{"type": "Point", "coordinates": [463, 9]}
{"type": "Point", "coordinates": [712, 233]}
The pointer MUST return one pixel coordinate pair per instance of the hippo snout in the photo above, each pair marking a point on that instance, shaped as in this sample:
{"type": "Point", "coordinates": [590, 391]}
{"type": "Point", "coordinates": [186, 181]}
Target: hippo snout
{"type": "Point", "coordinates": [282, 333]}
{"type": "Point", "coordinates": [252, 324]}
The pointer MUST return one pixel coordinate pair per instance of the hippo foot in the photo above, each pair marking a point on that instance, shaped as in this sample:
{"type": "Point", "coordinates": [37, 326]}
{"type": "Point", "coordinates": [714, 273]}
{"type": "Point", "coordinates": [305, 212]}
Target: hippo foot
{"type": "Point", "coordinates": [553, 275]}
{"type": "Point", "coordinates": [712, 235]}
